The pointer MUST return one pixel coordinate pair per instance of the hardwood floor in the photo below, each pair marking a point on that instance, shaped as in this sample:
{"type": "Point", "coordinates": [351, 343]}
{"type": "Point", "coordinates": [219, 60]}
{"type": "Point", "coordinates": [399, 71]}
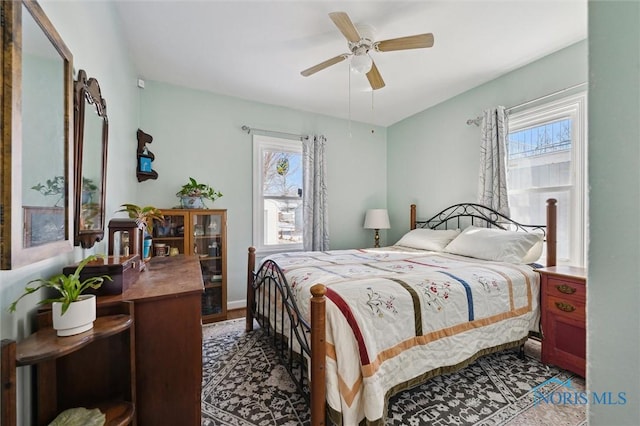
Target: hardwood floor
{"type": "Point", "coordinates": [236, 313]}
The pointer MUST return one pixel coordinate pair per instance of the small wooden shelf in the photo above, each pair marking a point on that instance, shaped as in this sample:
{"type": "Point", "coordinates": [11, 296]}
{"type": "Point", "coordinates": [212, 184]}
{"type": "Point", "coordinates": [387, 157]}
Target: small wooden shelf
{"type": "Point", "coordinates": [94, 369]}
{"type": "Point", "coordinates": [205, 237]}
{"type": "Point", "coordinates": [142, 176]}
{"type": "Point", "coordinates": [143, 152]}
{"type": "Point", "coordinates": [168, 238]}
{"type": "Point", "coordinates": [206, 257]}
{"type": "Point", "coordinates": [45, 345]}
{"type": "Point", "coordinates": [117, 413]}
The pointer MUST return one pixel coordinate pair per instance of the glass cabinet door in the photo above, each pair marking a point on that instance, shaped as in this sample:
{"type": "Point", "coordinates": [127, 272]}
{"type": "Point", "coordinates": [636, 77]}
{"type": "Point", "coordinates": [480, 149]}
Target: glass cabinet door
{"type": "Point", "coordinates": [208, 243]}
{"type": "Point", "coordinates": [169, 237]}
{"type": "Point", "coordinates": [202, 233]}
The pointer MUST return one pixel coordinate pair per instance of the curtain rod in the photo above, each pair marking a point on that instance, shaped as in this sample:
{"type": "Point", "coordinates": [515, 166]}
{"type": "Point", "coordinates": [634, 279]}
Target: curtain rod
{"type": "Point", "coordinates": [476, 121]}
{"type": "Point", "coordinates": [575, 86]}
{"type": "Point", "coordinates": [273, 133]}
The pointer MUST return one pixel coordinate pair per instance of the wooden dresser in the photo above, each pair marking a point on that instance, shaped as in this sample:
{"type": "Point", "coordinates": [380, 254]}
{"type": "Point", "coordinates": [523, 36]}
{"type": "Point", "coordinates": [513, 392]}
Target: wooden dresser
{"type": "Point", "coordinates": [563, 311]}
{"type": "Point", "coordinates": [168, 340]}
{"type": "Point", "coordinates": [141, 364]}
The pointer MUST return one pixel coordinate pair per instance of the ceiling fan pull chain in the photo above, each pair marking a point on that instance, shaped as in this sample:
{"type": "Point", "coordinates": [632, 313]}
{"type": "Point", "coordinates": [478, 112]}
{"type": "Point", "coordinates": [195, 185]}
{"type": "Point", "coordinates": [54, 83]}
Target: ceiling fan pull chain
{"type": "Point", "coordinates": [373, 111]}
{"type": "Point", "coordinates": [349, 73]}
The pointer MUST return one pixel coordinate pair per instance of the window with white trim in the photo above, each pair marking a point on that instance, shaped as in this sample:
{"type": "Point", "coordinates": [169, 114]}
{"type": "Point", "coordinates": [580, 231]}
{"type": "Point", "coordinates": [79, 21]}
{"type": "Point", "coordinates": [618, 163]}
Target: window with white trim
{"type": "Point", "coordinates": [546, 158]}
{"type": "Point", "coordinates": [277, 194]}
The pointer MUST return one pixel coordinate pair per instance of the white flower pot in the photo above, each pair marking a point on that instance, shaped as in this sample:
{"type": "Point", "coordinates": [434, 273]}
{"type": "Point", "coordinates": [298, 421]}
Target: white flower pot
{"type": "Point", "coordinates": [78, 318]}
{"type": "Point", "coordinates": [192, 202]}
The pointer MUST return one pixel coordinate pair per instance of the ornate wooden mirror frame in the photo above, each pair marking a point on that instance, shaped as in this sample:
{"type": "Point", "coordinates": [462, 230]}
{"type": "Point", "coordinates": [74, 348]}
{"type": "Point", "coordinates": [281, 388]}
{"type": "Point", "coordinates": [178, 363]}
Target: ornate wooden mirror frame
{"type": "Point", "coordinates": [91, 138]}
{"type": "Point", "coordinates": [36, 150]}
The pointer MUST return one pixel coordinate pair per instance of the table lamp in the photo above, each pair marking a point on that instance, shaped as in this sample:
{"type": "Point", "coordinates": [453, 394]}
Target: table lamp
{"type": "Point", "coordinates": [376, 219]}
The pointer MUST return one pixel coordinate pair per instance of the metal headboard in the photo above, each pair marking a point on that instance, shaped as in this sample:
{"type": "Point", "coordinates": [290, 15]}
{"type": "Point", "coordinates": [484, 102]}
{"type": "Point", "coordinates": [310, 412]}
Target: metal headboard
{"type": "Point", "coordinates": [459, 216]}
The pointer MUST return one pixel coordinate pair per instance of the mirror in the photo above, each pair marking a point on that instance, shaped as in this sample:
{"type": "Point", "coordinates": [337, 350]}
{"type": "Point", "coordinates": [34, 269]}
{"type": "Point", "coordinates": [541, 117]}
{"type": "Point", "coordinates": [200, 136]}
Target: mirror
{"type": "Point", "coordinates": [35, 155]}
{"type": "Point", "coordinates": [91, 137]}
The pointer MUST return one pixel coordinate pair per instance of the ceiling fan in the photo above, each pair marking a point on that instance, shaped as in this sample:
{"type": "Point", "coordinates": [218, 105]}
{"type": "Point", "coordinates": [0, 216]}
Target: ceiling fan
{"type": "Point", "coordinates": [361, 42]}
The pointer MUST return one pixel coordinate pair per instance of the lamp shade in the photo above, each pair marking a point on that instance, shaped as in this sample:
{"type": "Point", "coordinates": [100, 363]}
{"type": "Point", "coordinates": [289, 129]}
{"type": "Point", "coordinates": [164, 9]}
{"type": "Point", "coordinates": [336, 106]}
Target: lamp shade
{"type": "Point", "coordinates": [377, 219]}
{"type": "Point", "coordinates": [361, 63]}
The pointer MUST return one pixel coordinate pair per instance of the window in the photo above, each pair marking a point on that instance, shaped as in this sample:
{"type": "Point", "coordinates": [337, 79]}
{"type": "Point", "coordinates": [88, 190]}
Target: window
{"type": "Point", "coordinates": [277, 203]}
{"type": "Point", "coordinates": [546, 159]}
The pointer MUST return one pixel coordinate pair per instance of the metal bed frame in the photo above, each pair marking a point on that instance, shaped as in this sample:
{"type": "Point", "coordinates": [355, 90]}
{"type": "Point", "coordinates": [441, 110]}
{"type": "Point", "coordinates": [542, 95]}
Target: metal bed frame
{"type": "Point", "coordinates": [301, 344]}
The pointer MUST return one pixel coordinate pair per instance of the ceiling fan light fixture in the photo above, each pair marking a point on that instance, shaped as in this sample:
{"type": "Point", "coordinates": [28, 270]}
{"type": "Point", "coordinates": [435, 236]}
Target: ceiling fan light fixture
{"type": "Point", "coordinates": [361, 64]}
{"type": "Point", "coordinates": [361, 40]}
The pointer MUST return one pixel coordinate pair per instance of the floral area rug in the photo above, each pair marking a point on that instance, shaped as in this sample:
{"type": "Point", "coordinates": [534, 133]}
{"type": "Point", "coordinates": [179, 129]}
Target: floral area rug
{"type": "Point", "coordinates": [244, 384]}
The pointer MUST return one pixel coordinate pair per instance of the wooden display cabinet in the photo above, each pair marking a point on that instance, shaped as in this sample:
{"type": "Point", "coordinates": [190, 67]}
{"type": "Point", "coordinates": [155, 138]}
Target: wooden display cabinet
{"type": "Point", "coordinates": [201, 232]}
{"type": "Point", "coordinates": [563, 311]}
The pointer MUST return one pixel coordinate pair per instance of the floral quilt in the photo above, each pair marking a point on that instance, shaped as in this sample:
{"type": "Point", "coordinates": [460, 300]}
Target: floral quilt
{"type": "Point", "coordinates": [396, 314]}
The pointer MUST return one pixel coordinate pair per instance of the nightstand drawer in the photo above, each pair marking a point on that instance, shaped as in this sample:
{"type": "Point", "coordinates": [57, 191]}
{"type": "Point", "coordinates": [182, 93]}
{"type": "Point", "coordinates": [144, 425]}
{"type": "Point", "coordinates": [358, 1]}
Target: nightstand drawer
{"type": "Point", "coordinates": [572, 290]}
{"type": "Point", "coordinates": [566, 307]}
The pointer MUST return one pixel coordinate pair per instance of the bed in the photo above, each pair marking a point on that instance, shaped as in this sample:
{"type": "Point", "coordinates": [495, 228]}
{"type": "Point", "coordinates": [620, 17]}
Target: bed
{"type": "Point", "coordinates": [354, 327]}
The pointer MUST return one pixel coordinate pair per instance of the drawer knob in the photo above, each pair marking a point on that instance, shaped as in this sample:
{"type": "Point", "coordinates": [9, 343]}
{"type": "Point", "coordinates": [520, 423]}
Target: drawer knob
{"type": "Point", "coordinates": [566, 307]}
{"type": "Point", "coordinates": [566, 289]}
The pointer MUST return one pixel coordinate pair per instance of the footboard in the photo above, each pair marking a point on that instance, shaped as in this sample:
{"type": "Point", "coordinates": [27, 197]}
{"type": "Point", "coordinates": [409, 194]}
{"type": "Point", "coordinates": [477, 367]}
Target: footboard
{"type": "Point", "coordinates": [300, 345]}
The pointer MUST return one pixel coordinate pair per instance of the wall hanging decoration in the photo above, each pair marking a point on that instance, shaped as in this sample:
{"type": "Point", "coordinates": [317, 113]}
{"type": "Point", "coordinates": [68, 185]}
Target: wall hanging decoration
{"type": "Point", "coordinates": [91, 139]}
{"type": "Point", "coordinates": [144, 169]}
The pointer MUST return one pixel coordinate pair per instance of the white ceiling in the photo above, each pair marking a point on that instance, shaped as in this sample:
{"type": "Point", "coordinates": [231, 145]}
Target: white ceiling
{"type": "Point", "coordinates": [255, 50]}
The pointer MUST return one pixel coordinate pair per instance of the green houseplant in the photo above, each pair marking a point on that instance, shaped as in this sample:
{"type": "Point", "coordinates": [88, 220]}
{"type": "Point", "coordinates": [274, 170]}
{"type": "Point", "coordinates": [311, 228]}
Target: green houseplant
{"type": "Point", "coordinates": [80, 309]}
{"type": "Point", "coordinates": [144, 216]}
{"type": "Point", "coordinates": [89, 188]}
{"type": "Point", "coordinates": [53, 186]}
{"type": "Point", "coordinates": [192, 194]}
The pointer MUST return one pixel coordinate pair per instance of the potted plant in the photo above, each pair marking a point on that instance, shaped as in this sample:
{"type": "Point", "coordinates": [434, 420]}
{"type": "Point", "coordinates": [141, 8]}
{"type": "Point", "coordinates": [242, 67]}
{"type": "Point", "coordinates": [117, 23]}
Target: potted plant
{"type": "Point", "coordinates": [192, 194]}
{"type": "Point", "coordinates": [144, 217]}
{"type": "Point", "coordinates": [73, 312]}
{"type": "Point", "coordinates": [53, 186]}
{"type": "Point", "coordinates": [89, 188]}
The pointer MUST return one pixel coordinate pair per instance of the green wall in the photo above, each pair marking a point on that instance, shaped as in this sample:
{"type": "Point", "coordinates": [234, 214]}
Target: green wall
{"type": "Point", "coordinates": [433, 156]}
{"type": "Point", "coordinates": [199, 134]}
{"type": "Point", "coordinates": [613, 290]}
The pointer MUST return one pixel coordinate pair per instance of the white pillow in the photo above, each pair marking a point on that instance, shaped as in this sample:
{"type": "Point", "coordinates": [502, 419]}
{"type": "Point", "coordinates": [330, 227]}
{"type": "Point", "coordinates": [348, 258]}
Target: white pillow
{"type": "Point", "coordinates": [428, 239]}
{"type": "Point", "coordinates": [534, 253]}
{"type": "Point", "coordinates": [494, 244]}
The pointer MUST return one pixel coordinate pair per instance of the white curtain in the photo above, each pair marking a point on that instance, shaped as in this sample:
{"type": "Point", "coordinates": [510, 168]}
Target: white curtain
{"type": "Point", "coordinates": [492, 190]}
{"type": "Point", "coordinates": [314, 199]}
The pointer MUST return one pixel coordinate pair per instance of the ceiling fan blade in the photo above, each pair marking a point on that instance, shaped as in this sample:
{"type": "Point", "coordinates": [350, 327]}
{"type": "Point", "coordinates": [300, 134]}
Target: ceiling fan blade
{"type": "Point", "coordinates": [314, 69]}
{"type": "Point", "coordinates": [346, 27]}
{"type": "Point", "coordinates": [411, 42]}
{"type": "Point", "coordinates": [375, 79]}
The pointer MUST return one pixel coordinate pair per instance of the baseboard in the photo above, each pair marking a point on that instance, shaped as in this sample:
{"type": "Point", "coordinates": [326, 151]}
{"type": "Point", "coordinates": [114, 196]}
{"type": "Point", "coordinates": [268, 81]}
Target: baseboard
{"type": "Point", "coordinates": [236, 304]}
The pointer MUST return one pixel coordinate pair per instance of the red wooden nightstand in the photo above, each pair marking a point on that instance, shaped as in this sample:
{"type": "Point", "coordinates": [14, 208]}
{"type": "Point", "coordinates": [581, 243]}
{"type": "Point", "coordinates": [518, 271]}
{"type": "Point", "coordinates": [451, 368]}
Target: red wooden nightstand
{"type": "Point", "coordinates": [563, 308]}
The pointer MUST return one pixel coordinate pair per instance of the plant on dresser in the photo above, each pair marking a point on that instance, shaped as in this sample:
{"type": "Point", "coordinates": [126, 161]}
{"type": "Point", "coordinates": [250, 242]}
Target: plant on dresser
{"type": "Point", "coordinates": [203, 233]}
{"type": "Point", "coordinates": [80, 309]}
{"type": "Point", "coordinates": [193, 193]}
{"type": "Point", "coordinates": [144, 216]}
